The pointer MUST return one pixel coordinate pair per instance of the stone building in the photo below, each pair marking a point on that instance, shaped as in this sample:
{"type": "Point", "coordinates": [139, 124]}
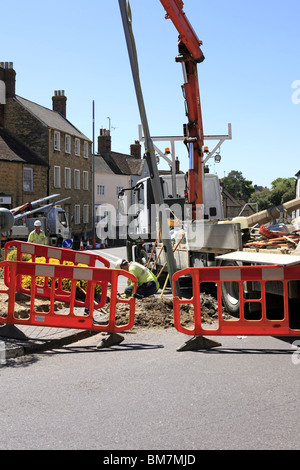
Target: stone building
{"type": "Point", "coordinates": [22, 172]}
{"type": "Point", "coordinates": [54, 157]}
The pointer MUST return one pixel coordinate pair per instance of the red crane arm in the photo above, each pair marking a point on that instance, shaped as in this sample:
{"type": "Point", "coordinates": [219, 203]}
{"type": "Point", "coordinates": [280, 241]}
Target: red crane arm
{"type": "Point", "coordinates": [174, 9]}
{"type": "Point", "coordinates": [190, 55]}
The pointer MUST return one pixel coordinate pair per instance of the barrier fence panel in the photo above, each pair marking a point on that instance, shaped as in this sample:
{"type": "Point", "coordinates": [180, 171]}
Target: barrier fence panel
{"type": "Point", "coordinates": [256, 317]}
{"type": "Point", "coordinates": [69, 317]}
{"type": "Point", "coordinates": [53, 255]}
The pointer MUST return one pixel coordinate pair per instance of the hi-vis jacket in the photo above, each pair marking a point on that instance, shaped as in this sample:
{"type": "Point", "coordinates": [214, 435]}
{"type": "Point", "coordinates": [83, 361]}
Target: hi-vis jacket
{"type": "Point", "coordinates": [40, 238]}
{"type": "Point", "coordinates": [142, 274]}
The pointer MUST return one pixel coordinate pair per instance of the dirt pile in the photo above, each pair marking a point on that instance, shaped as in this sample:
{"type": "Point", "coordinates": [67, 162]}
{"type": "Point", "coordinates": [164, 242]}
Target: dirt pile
{"type": "Point", "coordinates": [156, 312]}
{"type": "Point", "coordinates": [152, 312]}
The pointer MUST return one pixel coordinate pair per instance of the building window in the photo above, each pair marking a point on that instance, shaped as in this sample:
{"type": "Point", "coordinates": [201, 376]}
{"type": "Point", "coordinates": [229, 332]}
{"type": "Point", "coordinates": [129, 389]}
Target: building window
{"type": "Point", "coordinates": [77, 147]}
{"type": "Point", "coordinates": [68, 144]}
{"type": "Point", "coordinates": [57, 181]}
{"type": "Point", "coordinates": [85, 182]}
{"type": "Point", "coordinates": [100, 190]}
{"type": "Point", "coordinates": [86, 150]}
{"type": "Point", "coordinates": [119, 189]}
{"type": "Point", "coordinates": [56, 140]}
{"type": "Point", "coordinates": [27, 179]}
{"type": "Point", "coordinates": [85, 213]}
{"type": "Point", "coordinates": [77, 179]}
{"type": "Point", "coordinates": [68, 178]}
{"type": "Point", "coordinates": [77, 214]}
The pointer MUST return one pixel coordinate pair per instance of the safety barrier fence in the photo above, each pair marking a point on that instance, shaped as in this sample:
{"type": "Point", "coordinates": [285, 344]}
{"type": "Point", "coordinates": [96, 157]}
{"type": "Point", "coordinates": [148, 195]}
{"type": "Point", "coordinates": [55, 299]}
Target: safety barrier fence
{"type": "Point", "coordinates": [265, 322]}
{"type": "Point", "coordinates": [69, 317]}
{"type": "Point", "coordinates": [57, 256]}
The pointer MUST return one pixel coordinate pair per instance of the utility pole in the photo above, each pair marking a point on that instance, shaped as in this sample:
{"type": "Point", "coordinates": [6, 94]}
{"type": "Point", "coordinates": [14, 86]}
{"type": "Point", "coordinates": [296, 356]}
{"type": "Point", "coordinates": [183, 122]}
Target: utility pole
{"type": "Point", "coordinates": [93, 178]}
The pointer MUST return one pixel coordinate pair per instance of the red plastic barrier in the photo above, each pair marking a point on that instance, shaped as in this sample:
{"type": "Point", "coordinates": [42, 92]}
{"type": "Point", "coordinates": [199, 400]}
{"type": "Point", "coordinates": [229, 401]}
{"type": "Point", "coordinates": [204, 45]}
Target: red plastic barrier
{"type": "Point", "coordinates": [63, 256]}
{"type": "Point", "coordinates": [264, 326]}
{"type": "Point", "coordinates": [70, 319]}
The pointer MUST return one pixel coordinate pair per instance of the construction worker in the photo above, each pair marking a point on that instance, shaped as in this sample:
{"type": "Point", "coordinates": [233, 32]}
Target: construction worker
{"type": "Point", "coordinates": [147, 284]}
{"type": "Point", "coordinates": [37, 235]}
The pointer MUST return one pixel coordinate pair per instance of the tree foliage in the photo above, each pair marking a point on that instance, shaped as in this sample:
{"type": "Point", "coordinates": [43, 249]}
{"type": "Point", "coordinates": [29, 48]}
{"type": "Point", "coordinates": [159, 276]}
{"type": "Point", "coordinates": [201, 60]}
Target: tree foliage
{"type": "Point", "coordinates": [282, 190]}
{"type": "Point", "coordinates": [238, 186]}
{"type": "Point", "coordinates": [262, 199]}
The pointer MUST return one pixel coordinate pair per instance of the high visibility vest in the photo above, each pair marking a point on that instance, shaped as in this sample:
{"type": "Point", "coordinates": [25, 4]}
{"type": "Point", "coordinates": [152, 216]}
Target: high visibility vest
{"type": "Point", "coordinates": [142, 274]}
{"type": "Point", "coordinates": [40, 238]}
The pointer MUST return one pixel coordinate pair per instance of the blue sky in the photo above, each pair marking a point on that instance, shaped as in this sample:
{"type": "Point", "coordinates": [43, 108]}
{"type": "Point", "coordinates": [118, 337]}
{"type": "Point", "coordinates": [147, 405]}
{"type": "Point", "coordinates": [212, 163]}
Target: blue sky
{"type": "Point", "coordinates": [252, 61]}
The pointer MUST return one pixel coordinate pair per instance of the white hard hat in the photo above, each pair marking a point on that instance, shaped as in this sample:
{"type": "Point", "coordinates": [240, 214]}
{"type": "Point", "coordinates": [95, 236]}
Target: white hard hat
{"type": "Point", "coordinates": [37, 223]}
{"type": "Point", "coordinates": [120, 262]}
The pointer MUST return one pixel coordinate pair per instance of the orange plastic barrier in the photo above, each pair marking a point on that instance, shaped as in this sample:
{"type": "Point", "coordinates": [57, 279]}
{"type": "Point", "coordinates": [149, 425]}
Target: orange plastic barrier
{"type": "Point", "coordinates": [71, 318]}
{"type": "Point", "coordinates": [63, 256]}
{"type": "Point", "coordinates": [264, 326]}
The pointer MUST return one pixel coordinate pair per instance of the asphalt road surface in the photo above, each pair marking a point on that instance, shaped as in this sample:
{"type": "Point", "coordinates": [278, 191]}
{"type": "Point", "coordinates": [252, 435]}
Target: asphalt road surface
{"type": "Point", "coordinates": [144, 394]}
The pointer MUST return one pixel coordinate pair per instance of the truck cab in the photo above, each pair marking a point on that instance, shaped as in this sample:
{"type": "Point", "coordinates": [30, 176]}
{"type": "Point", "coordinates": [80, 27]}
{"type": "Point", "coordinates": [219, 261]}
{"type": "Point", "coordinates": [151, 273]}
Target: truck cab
{"type": "Point", "coordinates": [142, 213]}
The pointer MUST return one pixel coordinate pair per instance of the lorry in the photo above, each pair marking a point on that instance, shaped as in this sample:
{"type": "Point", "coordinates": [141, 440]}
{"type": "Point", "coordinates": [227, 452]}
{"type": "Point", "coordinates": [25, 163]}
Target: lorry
{"type": "Point", "coordinates": [53, 219]}
{"type": "Point", "coordinates": [141, 224]}
{"type": "Point", "coordinates": [209, 239]}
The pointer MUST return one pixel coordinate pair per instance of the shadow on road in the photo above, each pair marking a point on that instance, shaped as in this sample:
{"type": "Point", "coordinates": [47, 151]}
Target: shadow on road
{"type": "Point", "coordinates": [247, 351]}
{"type": "Point", "coordinates": [92, 349]}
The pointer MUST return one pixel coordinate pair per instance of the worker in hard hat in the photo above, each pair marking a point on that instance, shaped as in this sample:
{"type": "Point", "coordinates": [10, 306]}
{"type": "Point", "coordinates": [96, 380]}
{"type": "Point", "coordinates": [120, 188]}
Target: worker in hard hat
{"type": "Point", "coordinates": [147, 284]}
{"type": "Point", "coordinates": [37, 235]}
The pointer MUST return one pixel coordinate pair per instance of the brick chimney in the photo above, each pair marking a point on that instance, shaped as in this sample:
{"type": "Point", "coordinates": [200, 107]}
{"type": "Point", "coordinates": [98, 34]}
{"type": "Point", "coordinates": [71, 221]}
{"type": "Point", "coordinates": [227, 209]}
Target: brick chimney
{"type": "Point", "coordinates": [104, 141]}
{"type": "Point", "coordinates": [7, 86]}
{"type": "Point", "coordinates": [135, 150]}
{"type": "Point", "coordinates": [59, 102]}
{"type": "Point", "coordinates": [9, 78]}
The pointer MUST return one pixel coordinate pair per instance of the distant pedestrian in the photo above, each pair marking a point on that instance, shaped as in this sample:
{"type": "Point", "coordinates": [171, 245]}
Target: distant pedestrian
{"type": "Point", "coordinates": [37, 235]}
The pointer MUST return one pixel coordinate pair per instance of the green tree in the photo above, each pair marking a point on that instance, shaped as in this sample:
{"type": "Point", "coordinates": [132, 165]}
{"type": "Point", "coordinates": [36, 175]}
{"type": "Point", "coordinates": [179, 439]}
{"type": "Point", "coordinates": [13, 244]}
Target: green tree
{"type": "Point", "coordinates": [238, 186]}
{"type": "Point", "coordinates": [282, 190]}
{"type": "Point", "coordinates": [262, 198]}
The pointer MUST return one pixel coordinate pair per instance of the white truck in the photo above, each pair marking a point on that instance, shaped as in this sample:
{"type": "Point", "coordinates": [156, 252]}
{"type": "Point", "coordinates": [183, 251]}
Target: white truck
{"type": "Point", "coordinates": [209, 240]}
{"type": "Point", "coordinates": [53, 219]}
{"type": "Point", "coordinates": [142, 213]}
{"type": "Point", "coordinates": [217, 242]}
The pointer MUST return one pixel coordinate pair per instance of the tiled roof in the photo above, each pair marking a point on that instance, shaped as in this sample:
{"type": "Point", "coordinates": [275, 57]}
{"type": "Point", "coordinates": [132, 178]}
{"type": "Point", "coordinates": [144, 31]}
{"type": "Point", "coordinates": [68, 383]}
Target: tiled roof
{"type": "Point", "coordinates": [101, 166]}
{"type": "Point", "coordinates": [50, 118]}
{"type": "Point", "coordinates": [122, 164]}
{"type": "Point", "coordinates": [136, 166]}
{"type": "Point", "coordinates": [12, 150]}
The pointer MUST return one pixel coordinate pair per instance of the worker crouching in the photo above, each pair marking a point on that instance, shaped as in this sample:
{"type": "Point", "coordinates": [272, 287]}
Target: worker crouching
{"type": "Point", "coordinates": [147, 284]}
